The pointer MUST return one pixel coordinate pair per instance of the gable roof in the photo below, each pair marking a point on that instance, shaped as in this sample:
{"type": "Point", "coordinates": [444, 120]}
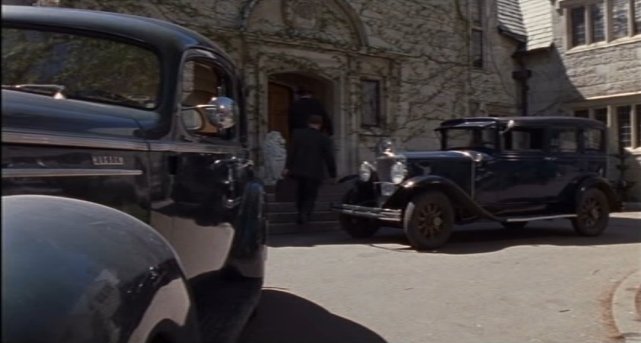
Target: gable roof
{"type": "Point", "coordinates": [529, 21]}
{"type": "Point", "coordinates": [510, 19]}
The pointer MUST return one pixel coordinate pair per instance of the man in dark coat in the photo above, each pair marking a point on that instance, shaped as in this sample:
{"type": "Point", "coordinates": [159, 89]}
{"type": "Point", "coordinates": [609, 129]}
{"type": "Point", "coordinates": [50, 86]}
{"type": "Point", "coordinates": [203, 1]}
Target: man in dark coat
{"type": "Point", "coordinates": [310, 155]}
{"type": "Point", "coordinates": [305, 106]}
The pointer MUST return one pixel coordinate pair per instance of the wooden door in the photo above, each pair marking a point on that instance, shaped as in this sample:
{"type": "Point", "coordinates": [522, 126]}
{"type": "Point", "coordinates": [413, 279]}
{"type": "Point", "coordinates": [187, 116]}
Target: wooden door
{"type": "Point", "coordinates": [279, 99]}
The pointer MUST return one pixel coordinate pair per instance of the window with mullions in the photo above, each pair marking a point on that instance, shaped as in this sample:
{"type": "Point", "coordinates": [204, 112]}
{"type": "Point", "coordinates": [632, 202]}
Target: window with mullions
{"type": "Point", "coordinates": [624, 126]}
{"type": "Point", "coordinates": [476, 35]}
{"type": "Point", "coordinates": [601, 114]}
{"type": "Point", "coordinates": [587, 23]}
{"type": "Point", "coordinates": [477, 48]}
{"type": "Point", "coordinates": [637, 115]}
{"type": "Point", "coordinates": [371, 116]}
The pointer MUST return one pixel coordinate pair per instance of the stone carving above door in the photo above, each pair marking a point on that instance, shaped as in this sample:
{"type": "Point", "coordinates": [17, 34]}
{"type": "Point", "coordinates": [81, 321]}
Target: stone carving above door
{"type": "Point", "coordinates": [301, 14]}
{"type": "Point", "coordinates": [316, 21]}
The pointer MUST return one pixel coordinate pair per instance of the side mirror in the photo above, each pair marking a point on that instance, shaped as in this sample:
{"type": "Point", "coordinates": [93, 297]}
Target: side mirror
{"type": "Point", "coordinates": [221, 112]}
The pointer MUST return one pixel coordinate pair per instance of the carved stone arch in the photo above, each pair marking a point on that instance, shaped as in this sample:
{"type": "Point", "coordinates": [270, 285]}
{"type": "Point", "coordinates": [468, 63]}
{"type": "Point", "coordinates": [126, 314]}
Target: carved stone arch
{"type": "Point", "coordinates": [282, 19]}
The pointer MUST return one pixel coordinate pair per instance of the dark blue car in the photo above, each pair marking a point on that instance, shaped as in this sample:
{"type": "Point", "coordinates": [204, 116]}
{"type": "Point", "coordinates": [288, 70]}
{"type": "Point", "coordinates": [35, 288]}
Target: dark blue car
{"type": "Point", "coordinates": [511, 170]}
{"type": "Point", "coordinates": [130, 210]}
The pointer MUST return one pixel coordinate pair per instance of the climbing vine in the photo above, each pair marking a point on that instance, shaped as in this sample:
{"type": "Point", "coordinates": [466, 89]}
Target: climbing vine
{"type": "Point", "coordinates": [418, 49]}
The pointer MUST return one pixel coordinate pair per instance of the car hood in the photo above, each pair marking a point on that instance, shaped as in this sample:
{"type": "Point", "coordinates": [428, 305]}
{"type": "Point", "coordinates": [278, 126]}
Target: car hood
{"type": "Point", "coordinates": [27, 111]}
{"type": "Point", "coordinates": [444, 155]}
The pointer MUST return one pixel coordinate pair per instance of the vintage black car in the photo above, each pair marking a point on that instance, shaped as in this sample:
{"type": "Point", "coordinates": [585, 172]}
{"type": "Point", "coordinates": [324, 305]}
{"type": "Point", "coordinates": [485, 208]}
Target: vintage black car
{"type": "Point", "coordinates": [511, 170]}
{"type": "Point", "coordinates": [130, 211]}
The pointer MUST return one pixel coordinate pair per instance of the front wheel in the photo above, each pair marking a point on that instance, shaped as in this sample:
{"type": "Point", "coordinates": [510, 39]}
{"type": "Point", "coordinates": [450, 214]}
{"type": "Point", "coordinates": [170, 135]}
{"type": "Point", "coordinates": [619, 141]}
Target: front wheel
{"type": "Point", "coordinates": [428, 220]}
{"type": "Point", "coordinates": [592, 213]}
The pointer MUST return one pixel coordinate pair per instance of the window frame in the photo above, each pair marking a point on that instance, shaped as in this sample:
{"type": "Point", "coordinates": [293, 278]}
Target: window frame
{"type": "Point", "coordinates": [610, 111]}
{"type": "Point", "coordinates": [227, 87]}
{"type": "Point", "coordinates": [377, 101]}
{"type": "Point", "coordinates": [632, 28]}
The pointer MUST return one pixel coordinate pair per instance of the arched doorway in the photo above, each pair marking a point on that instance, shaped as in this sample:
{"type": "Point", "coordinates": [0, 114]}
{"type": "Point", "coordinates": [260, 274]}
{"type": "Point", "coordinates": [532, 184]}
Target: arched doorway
{"type": "Point", "coordinates": [282, 89]}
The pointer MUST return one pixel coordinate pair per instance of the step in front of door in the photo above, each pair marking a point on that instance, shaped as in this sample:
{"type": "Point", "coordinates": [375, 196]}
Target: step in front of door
{"type": "Point", "coordinates": [318, 226]}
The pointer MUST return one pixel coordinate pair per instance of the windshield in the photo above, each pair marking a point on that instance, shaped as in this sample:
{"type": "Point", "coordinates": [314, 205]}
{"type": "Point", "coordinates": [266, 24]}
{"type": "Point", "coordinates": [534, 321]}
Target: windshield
{"type": "Point", "coordinates": [72, 66]}
{"type": "Point", "coordinates": [481, 139]}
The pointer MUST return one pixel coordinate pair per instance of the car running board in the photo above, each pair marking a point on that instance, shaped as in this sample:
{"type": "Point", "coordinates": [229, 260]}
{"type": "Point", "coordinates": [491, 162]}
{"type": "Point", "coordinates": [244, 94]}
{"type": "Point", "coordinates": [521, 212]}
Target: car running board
{"type": "Point", "coordinates": [529, 219]}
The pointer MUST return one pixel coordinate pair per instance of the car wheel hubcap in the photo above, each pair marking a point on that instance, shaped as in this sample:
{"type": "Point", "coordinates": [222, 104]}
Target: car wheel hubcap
{"type": "Point", "coordinates": [430, 220]}
{"type": "Point", "coordinates": [590, 212]}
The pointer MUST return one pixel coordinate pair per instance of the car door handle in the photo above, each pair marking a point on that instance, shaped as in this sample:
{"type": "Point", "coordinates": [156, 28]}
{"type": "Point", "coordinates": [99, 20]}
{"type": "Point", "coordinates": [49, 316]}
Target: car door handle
{"type": "Point", "coordinates": [549, 158]}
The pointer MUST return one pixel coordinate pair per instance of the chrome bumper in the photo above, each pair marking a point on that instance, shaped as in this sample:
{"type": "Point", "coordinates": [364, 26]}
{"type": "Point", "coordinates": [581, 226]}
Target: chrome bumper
{"type": "Point", "coordinates": [384, 214]}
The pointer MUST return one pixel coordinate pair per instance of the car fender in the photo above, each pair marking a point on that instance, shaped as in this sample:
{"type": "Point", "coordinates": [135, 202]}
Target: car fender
{"type": "Point", "coordinates": [76, 271]}
{"type": "Point", "coordinates": [248, 252]}
{"type": "Point", "coordinates": [412, 186]}
{"type": "Point", "coordinates": [603, 185]}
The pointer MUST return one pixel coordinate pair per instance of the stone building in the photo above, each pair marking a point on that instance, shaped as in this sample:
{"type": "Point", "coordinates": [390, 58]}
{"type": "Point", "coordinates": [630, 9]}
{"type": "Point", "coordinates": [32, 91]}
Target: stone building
{"type": "Point", "coordinates": [398, 67]}
{"type": "Point", "coordinates": [584, 58]}
{"type": "Point", "coordinates": [380, 67]}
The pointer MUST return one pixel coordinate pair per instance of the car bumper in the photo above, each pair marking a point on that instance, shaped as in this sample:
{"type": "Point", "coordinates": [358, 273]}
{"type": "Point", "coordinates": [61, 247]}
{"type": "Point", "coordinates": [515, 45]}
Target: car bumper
{"type": "Point", "coordinates": [384, 214]}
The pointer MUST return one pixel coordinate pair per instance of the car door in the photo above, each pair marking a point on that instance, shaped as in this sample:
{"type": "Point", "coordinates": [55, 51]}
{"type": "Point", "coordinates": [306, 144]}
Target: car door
{"type": "Point", "coordinates": [523, 171]}
{"type": "Point", "coordinates": [206, 165]}
{"type": "Point", "coordinates": [564, 160]}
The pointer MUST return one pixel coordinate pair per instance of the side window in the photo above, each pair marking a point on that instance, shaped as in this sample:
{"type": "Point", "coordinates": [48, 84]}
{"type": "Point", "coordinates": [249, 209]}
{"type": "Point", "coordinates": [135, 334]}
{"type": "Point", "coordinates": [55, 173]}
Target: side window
{"type": "Point", "coordinates": [200, 83]}
{"type": "Point", "coordinates": [593, 140]}
{"type": "Point", "coordinates": [203, 82]}
{"type": "Point", "coordinates": [523, 139]}
{"type": "Point", "coordinates": [563, 140]}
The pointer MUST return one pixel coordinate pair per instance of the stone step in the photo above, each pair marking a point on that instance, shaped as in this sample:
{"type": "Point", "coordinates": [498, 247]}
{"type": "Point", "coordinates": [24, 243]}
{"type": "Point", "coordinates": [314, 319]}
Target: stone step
{"type": "Point", "coordinates": [279, 207]}
{"type": "Point", "coordinates": [290, 217]}
{"type": "Point", "coordinates": [281, 228]}
{"type": "Point", "coordinates": [273, 198]}
{"type": "Point", "coordinates": [285, 191]}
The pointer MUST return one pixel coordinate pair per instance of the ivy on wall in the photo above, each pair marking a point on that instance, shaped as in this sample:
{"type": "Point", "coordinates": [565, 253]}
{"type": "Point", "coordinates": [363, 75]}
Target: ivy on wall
{"type": "Point", "coordinates": [418, 48]}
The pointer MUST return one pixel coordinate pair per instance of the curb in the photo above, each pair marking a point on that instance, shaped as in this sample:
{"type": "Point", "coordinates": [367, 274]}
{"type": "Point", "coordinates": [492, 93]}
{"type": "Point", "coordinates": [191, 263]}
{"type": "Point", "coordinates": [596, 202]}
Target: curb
{"type": "Point", "coordinates": [626, 317]}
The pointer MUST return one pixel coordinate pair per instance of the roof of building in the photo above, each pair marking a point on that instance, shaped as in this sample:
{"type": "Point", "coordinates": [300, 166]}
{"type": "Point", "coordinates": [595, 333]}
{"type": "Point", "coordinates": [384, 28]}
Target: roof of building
{"type": "Point", "coordinates": [530, 20]}
{"type": "Point", "coordinates": [510, 19]}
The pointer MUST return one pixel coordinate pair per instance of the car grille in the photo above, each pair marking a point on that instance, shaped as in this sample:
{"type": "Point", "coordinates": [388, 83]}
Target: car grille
{"type": "Point", "coordinates": [384, 167]}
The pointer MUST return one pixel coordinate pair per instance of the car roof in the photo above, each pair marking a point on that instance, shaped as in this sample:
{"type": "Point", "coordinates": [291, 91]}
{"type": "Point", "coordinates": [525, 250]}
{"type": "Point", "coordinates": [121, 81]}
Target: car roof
{"type": "Point", "coordinates": [161, 34]}
{"type": "Point", "coordinates": [522, 121]}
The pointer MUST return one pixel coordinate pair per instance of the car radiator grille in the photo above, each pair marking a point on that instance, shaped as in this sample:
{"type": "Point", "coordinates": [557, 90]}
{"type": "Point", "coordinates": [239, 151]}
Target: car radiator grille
{"type": "Point", "coordinates": [384, 167]}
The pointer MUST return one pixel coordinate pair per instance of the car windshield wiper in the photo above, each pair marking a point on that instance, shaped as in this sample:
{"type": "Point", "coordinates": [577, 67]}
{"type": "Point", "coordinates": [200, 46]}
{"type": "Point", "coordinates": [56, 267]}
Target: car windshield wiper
{"type": "Point", "coordinates": [47, 89]}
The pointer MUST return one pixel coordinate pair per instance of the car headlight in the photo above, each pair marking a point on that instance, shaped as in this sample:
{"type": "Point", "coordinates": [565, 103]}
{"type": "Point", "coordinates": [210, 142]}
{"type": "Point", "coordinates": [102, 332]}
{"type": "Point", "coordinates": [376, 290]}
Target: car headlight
{"type": "Point", "coordinates": [365, 171]}
{"type": "Point", "coordinates": [398, 172]}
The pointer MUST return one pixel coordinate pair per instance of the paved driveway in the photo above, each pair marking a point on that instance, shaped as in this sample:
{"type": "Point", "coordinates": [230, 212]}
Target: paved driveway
{"type": "Point", "coordinates": [489, 284]}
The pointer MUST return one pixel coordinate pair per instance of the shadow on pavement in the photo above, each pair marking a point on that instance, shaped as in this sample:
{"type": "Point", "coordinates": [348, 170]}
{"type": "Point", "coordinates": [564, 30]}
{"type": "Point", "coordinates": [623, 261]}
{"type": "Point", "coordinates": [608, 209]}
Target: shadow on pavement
{"type": "Point", "coordinates": [286, 318]}
{"type": "Point", "coordinates": [480, 237]}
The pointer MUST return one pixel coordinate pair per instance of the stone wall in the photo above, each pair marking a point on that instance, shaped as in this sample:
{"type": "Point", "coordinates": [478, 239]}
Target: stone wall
{"type": "Point", "coordinates": [418, 50]}
{"type": "Point", "coordinates": [601, 75]}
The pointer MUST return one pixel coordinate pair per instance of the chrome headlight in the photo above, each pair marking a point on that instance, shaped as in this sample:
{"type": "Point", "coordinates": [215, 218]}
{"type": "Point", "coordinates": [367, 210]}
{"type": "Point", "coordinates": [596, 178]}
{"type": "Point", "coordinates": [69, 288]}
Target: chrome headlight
{"type": "Point", "coordinates": [365, 171]}
{"type": "Point", "coordinates": [398, 172]}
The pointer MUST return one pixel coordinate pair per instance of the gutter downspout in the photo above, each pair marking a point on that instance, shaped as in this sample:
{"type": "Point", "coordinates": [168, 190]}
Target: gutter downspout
{"type": "Point", "coordinates": [521, 76]}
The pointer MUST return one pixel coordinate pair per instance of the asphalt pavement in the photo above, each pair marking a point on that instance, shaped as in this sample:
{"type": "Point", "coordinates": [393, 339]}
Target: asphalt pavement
{"type": "Point", "coordinates": [326, 287]}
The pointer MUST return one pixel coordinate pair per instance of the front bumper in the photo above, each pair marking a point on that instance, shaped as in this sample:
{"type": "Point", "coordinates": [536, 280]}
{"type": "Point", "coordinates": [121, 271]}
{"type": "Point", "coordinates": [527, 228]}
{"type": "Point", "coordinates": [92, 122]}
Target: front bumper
{"type": "Point", "coordinates": [384, 214]}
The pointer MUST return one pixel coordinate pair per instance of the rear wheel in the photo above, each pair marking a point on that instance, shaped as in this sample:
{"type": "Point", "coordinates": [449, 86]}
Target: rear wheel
{"type": "Point", "coordinates": [592, 213]}
{"type": "Point", "coordinates": [428, 221]}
